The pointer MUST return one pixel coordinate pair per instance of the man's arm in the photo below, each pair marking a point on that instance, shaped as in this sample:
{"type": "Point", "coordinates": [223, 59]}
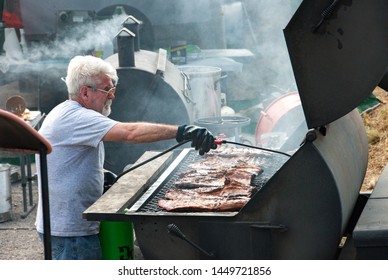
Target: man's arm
{"type": "Point", "coordinates": [143, 132]}
{"type": "Point", "coordinates": [140, 132]}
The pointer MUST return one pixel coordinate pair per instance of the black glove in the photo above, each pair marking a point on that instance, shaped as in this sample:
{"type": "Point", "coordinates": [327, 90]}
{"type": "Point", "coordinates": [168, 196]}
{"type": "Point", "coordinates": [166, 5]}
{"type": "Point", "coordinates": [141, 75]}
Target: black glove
{"type": "Point", "coordinates": [201, 138]}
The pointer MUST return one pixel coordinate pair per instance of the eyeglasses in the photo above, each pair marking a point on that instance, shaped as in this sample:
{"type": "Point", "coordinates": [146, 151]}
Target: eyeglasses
{"type": "Point", "coordinates": [109, 92]}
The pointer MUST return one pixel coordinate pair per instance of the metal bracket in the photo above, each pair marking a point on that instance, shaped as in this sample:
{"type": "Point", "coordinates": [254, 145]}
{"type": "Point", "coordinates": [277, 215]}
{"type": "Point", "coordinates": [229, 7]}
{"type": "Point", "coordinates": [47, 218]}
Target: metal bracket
{"type": "Point", "coordinates": [162, 62]}
{"type": "Point", "coordinates": [327, 13]}
{"type": "Point", "coordinates": [280, 227]}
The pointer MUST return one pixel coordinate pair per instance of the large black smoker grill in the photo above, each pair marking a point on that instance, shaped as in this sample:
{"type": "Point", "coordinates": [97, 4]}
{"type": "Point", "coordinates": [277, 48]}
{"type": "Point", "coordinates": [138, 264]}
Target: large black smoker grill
{"type": "Point", "coordinates": [339, 53]}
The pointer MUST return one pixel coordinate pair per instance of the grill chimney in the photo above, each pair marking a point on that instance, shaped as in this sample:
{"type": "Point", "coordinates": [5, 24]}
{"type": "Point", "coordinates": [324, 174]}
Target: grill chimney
{"type": "Point", "coordinates": [133, 25]}
{"type": "Point", "coordinates": [125, 47]}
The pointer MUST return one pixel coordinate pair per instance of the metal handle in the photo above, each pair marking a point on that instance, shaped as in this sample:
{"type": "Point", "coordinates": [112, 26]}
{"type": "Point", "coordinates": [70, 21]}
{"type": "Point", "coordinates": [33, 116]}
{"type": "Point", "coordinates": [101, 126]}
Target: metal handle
{"type": "Point", "coordinates": [325, 15]}
{"type": "Point", "coordinates": [219, 80]}
{"type": "Point", "coordinates": [174, 230]}
{"type": "Point", "coordinates": [186, 88]}
{"type": "Point", "coordinates": [280, 227]}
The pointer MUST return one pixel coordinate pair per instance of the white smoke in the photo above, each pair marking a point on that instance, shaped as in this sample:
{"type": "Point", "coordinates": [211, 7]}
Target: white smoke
{"type": "Point", "coordinates": [80, 39]}
{"type": "Point", "coordinates": [255, 25]}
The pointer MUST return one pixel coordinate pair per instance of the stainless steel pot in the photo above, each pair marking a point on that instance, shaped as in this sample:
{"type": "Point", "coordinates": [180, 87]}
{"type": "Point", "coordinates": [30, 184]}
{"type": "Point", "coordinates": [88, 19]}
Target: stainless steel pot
{"type": "Point", "coordinates": [205, 88]}
{"type": "Point", "coordinates": [5, 193]}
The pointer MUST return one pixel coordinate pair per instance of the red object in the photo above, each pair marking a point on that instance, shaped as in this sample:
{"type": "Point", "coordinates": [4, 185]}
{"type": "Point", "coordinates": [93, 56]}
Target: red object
{"type": "Point", "coordinates": [12, 20]}
{"type": "Point", "coordinates": [274, 113]}
{"type": "Point", "coordinates": [11, 14]}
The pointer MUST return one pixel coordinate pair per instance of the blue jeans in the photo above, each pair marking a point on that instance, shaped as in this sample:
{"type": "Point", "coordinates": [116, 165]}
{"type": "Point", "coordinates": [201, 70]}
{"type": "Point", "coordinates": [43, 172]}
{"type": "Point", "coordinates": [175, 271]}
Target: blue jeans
{"type": "Point", "coordinates": [75, 247]}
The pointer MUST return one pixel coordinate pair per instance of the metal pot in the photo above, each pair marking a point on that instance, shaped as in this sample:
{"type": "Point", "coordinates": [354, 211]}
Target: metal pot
{"type": "Point", "coordinates": [204, 84]}
{"type": "Point", "coordinates": [5, 193]}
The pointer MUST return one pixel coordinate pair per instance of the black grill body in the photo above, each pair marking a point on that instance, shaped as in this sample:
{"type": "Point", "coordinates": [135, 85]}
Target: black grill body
{"type": "Point", "coordinates": [309, 197]}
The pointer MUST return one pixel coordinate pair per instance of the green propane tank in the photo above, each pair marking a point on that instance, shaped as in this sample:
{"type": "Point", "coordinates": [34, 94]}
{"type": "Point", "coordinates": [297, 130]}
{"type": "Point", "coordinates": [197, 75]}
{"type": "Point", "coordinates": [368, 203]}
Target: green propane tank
{"type": "Point", "coordinates": [116, 240]}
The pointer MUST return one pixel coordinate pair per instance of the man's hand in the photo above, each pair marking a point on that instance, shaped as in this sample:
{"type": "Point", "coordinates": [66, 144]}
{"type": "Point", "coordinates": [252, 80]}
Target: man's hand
{"type": "Point", "coordinates": [201, 138]}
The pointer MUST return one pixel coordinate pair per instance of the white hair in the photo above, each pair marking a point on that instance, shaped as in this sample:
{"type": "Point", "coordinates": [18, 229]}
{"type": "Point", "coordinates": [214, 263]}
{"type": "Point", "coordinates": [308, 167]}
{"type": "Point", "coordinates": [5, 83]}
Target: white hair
{"type": "Point", "coordinates": [87, 70]}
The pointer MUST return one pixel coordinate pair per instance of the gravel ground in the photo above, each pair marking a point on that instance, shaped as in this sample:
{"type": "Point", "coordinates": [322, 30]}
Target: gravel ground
{"type": "Point", "coordinates": [18, 237]}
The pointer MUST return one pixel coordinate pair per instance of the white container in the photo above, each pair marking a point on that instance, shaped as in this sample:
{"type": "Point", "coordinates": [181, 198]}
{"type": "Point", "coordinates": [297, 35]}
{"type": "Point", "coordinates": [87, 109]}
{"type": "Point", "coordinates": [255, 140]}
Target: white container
{"type": "Point", "coordinates": [11, 46]}
{"type": "Point", "coordinates": [5, 193]}
{"type": "Point", "coordinates": [205, 86]}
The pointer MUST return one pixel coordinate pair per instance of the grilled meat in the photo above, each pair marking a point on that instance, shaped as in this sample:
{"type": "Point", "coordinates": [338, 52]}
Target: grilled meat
{"type": "Point", "coordinates": [231, 190]}
{"type": "Point", "coordinates": [218, 177]}
{"type": "Point", "coordinates": [211, 203]}
{"type": "Point", "coordinates": [242, 174]}
{"type": "Point", "coordinates": [201, 178]}
{"type": "Point", "coordinates": [221, 181]}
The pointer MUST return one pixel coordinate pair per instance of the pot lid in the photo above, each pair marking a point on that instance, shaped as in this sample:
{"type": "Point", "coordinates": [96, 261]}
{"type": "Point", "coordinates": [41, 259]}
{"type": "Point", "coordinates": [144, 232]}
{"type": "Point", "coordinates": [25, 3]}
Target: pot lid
{"type": "Point", "coordinates": [339, 53]}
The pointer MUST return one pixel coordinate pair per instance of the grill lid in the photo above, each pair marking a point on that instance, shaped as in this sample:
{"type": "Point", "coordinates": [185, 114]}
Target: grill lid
{"type": "Point", "coordinates": [339, 53]}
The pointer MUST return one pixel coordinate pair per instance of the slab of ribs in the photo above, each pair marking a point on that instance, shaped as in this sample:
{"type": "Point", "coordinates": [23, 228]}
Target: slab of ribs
{"type": "Point", "coordinates": [219, 181]}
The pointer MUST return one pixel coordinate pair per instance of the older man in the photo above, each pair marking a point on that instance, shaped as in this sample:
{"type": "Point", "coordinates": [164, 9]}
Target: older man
{"type": "Point", "coordinates": [76, 129]}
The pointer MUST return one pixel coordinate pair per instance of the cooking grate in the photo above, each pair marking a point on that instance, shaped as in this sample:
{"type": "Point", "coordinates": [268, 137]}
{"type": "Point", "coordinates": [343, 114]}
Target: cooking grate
{"type": "Point", "coordinates": [269, 162]}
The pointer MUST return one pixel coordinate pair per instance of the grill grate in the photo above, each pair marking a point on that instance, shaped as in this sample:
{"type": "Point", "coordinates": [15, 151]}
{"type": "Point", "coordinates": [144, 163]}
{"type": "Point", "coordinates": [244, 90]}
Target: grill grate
{"type": "Point", "coordinates": [269, 162]}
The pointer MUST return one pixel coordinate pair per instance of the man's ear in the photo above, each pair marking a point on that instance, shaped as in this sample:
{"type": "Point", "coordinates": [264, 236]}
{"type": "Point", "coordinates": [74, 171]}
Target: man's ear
{"type": "Point", "coordinates": [84, 92]}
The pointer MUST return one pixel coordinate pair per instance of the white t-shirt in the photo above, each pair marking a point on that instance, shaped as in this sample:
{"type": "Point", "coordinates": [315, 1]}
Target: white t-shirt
{"type": "Point", "coordinates": [75, 167]}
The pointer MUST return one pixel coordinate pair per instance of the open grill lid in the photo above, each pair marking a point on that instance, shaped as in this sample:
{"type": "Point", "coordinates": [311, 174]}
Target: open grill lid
{"type": "Point", "coordinates": [339, 54]}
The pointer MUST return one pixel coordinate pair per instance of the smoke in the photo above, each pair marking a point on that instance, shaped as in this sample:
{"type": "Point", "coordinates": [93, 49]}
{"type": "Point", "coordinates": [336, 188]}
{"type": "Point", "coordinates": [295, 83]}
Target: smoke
{"type": "Point", "coordinates": [275, 76]}
{"type": "Point", "coordinates": [97, 38]}
{"type": "Point", "coordinates": [255, 26]}
{"type": "Point", "coordinates": [79, 39]}
{"type": "Point", "coordinates": [264, 24]}
{"type": "Point", "coordinates": [258, 25]}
